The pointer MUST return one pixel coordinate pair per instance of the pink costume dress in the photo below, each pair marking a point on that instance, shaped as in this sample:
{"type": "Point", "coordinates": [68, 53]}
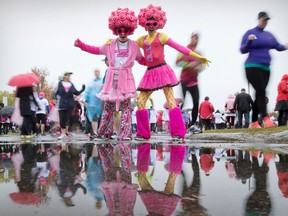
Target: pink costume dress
{"type": "Point", "coordinates": [158, 74]}
{"type": "Point", "coordinates": [123, 75]}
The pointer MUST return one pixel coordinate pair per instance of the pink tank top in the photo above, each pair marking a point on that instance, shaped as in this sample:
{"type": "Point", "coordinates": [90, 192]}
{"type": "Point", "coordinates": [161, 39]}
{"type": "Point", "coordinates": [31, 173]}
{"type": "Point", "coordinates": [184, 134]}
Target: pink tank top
{"type": "Point", "coordinates": [154, 52]}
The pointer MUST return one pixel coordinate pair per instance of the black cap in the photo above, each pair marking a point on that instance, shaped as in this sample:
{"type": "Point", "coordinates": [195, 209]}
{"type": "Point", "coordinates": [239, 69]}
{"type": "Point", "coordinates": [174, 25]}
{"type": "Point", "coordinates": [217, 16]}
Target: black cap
{"type": "Point", "coordinates": [263, 15]}
{"type": "Point", "coordinates": [243, 90]}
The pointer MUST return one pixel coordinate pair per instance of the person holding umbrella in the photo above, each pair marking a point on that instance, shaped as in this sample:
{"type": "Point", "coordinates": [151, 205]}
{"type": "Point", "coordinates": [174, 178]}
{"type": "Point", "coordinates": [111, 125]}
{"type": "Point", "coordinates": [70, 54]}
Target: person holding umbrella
{"type": "Point", "coordinates": [27, 100]}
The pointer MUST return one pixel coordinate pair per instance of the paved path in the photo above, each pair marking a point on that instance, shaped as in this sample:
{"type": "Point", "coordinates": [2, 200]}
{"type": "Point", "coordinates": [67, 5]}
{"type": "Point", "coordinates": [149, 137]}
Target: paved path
{"type": "Point", "coordinates": [239, 139]}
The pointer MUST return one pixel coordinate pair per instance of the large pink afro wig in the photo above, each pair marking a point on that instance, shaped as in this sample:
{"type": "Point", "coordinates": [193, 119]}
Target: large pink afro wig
{"type": "Point", "coordinates": [152, 13]}
{"type": "Point", "coordinates": [122, 18]}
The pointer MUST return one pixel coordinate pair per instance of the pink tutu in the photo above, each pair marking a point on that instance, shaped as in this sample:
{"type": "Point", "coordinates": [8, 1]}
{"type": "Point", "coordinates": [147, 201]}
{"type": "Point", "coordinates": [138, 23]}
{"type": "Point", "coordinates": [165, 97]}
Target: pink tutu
{"type": "Point", "coordinates": [158, 78]}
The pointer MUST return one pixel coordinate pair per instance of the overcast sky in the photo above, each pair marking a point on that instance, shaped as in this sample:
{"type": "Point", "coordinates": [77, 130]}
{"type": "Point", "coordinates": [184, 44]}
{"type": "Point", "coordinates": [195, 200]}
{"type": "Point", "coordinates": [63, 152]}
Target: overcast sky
{"type": "Point", "coordinates": [41, 33]}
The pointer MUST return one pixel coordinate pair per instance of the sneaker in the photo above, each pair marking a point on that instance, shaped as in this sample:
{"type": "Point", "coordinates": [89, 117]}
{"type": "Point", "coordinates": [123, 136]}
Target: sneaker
{"type": "Point", "coordinates": [99, 138]}
{"type": "Point", "coordinates": [140, 138]}
{"type": "Point", "coordinates": [127, 139]}
{"type": "Point", "coordinates": [177, 138]}
{"type": "Point", "coordinates": [62, 136]}
{"type": "Point", "coordinates": [255, 125]}
{"type": "Point", "coordinates": [193, 129]}
{"type": "Point", "coordinates": [268, 123]}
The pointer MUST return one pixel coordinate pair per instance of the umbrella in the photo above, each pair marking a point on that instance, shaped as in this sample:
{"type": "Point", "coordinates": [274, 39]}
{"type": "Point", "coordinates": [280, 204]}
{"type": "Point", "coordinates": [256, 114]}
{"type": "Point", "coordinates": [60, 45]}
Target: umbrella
{"type": "Point", "coordinates": [24, 198]}
{"type": "Point", "coordinates": [23, 80]}
{"type": "Point", "coordinates": [177, 101]}
{"type": "Point", "coordinates": [7, 111]}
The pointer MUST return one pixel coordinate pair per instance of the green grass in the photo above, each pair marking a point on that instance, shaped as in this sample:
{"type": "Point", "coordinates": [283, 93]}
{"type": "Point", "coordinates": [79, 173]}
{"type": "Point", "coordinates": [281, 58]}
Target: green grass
{"type": "Point", "coordinates": [250, 130]}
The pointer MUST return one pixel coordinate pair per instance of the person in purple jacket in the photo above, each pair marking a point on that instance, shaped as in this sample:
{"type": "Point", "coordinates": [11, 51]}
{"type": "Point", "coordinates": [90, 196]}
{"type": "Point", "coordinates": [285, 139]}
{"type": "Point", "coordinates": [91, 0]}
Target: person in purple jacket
{"type": "Point", "coordinates": [257, 43]}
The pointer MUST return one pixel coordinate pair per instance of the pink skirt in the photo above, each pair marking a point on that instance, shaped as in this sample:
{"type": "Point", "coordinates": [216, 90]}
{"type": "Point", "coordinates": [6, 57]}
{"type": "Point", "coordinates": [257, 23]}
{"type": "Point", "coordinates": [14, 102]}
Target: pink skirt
{"type": "Point", "coordinates": [157, 78]}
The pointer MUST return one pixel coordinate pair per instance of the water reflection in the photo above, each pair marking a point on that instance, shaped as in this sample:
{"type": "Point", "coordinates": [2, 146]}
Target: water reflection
{"type": "Point", "coordinates": [159, 202]}
{"type": "Point", "coordinates": [259, 201]}
{"type": "Point", "coordinates": [143, 179]}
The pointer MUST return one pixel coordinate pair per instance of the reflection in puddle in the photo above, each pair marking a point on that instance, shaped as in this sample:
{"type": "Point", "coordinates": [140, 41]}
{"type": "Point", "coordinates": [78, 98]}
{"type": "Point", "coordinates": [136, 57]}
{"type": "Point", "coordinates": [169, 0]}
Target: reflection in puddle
{"type": "Point", "coordinates": [142, 179]}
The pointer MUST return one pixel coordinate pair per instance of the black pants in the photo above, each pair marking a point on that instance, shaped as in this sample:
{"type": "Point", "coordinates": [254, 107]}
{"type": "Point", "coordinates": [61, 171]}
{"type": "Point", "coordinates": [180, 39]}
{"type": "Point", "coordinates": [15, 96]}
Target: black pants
{"type": "Point", "coordinates": [259, 79]}
{"type": "Point", "coordinates": [64, 117]}
{"type": "Point", "coordinates": [194, 91]}
{"type": "Point", "coordinates": [282, 117]}
{"type": "Point", "coordinates": [27, 125]}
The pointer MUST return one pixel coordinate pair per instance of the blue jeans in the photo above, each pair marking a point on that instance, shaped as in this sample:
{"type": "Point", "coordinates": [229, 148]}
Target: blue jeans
{"type": "Point", "coordinates": [240, 118]}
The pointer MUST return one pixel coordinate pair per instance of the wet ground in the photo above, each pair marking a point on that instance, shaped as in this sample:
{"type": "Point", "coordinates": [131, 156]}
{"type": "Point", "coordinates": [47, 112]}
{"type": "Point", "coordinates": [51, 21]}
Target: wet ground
{"type": "Point", "coordinates": [205, 175]}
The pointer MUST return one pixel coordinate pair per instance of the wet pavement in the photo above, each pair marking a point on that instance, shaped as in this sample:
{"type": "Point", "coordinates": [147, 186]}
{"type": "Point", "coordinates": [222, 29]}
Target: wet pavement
{"type": "Point", "coordinates": [43, 176]}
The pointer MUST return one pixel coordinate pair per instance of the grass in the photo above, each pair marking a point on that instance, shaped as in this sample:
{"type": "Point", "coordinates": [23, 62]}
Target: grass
{"type": "Point", "coordinates": [250, 130]}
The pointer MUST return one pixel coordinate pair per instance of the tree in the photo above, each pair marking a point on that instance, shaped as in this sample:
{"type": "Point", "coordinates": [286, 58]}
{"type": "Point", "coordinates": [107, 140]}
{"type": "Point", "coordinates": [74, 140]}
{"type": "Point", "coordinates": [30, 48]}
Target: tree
{"type": "Point", "coordinates": [43, 85]}
{"type": "Point", "coordinates": [9, 95]}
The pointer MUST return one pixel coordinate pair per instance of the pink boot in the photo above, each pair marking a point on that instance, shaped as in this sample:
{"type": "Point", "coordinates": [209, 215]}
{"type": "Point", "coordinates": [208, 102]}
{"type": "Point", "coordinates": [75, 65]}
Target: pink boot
{"type": "Point", "coordinates": [143, 125]}
{"type": "Point", "coordinates": [177, 126]}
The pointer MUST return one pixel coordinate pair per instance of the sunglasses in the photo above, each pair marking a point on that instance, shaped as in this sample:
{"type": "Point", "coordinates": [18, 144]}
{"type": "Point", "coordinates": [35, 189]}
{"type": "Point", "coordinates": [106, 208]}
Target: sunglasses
{"type": "Point", "coordinates": [122, 30]}
{"type": "Point", "coordinates": [150, 24]}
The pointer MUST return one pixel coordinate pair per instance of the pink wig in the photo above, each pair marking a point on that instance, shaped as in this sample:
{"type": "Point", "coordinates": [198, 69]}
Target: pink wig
{"type": "Point", "coordinates": [152, 13]}
{"type": "Point", "coordinates": [122, 18]}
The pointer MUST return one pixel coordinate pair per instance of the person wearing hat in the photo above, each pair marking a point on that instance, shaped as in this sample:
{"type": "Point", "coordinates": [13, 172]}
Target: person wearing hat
{"type": "Point", "coordinates": [243, 104]}
{"type": "Point", "coordinates": [65, 101]}
{"type": "Point", "coordinates": [257, 42]}
{"type": "Point", "coordinates": [41, 114]}
{"type": "Point", "coordinates": [119, 86]}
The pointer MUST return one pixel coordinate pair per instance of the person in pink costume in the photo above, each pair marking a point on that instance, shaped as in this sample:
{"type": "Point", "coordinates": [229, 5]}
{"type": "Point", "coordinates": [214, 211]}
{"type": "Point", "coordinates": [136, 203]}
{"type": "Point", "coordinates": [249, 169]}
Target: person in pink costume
{"type": "Point", "coordinates": [166, 201]}
{"type": "Point", "coordinates": [119, 86]}
{"type": "Point", "coordinates": [159, 75]}
{"type": "Point", "coordinates": [120, 192]}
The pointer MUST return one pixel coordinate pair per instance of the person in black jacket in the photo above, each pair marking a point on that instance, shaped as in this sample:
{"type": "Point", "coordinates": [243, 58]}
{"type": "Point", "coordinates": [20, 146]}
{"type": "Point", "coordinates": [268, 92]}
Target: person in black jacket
{"type": "Point", "coordinates": [27, 98]}
{"type": "Point", "coordinates": [243, 104]}
{"type": "Point", "coordinates": [65, 101]}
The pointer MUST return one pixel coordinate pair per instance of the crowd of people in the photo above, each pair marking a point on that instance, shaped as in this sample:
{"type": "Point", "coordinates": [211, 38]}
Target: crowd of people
{"type": "Point", "coordinates": [109, 104]}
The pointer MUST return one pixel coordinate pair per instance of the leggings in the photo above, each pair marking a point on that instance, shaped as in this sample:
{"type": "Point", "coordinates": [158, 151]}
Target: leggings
{"type": "Point", "coordinates": [259, 79]}
{"type": "Point", "coordinates": [64, 117]}
{"type": "Point", "coordinates": [144, 95]}
{"type": "Point", "coordinates": [194, 91]}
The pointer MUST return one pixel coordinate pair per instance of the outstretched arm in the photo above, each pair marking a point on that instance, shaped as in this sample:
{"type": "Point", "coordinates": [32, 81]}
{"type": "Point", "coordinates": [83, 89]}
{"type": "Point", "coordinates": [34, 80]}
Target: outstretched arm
{"type": "Point", "coordinates": [86, 47]}
{"type": "Point", "coordinates": [186, 51]}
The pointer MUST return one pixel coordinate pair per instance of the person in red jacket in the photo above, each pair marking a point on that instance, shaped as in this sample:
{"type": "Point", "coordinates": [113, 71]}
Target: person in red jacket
{"type": "Point", "coordinates": [206, 110]}
{"type": "Point", "coordinates": [282, 101]}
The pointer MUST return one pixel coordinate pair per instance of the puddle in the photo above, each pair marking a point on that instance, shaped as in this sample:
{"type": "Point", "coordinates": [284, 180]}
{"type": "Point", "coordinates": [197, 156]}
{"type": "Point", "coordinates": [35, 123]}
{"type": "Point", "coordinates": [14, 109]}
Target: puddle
{"type": "Point", "coordinates": [144, 178]}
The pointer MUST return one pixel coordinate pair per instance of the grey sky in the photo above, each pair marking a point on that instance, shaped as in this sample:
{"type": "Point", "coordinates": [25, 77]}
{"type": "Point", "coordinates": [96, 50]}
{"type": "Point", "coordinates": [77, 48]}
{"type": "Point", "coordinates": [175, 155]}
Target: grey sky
{"type": "Point", "coordinates": [41, 33]}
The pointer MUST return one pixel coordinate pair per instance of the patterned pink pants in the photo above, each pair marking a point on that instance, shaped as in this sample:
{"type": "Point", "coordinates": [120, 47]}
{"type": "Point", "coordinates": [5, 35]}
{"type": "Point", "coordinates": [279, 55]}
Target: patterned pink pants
{"type": "Point", "coordinates": [106, 125]}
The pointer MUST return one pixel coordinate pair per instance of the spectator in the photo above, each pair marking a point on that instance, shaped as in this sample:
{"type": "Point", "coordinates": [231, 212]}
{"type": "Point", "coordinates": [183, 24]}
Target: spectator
{"type": "Point", "coordinates": [93, 104]}
{"type": "Point", "coordinates": [282, 101]}
{"type": "Point", "coordinates": [41, 114]}
{"type": "Point", "coordinates": [219, 120]}
{"type": "Point", "coordinates": [134, 121]}
{"type": "Point", "coordinates": [206, 110]}
{"type": "Point", "coordinates": [230, 111]}
{"type": "Point", "coordinates": [159, 121]}
{"type": "Point", "coordinates": [152, 119]}
{"type": "Point", "coordinates": [243, 104]}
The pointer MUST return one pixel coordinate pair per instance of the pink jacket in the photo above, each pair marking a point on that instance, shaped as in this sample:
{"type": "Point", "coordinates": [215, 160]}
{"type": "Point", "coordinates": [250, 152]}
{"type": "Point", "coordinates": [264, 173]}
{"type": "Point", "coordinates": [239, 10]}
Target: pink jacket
{"type": "Point", "coordinates": [229, 105]}
{"type": "Point", "coordinates": [126, 83]}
